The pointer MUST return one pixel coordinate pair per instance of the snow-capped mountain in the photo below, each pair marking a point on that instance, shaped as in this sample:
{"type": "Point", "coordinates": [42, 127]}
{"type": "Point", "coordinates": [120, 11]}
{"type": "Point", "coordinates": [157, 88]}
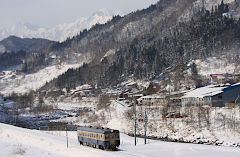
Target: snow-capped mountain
{"type": "Point", "coordinates": [59, 32]}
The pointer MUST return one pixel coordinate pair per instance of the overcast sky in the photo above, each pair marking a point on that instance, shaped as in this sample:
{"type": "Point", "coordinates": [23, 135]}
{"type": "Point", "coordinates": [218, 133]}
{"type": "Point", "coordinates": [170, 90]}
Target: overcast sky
{"type": "Point", "coordinates": [48, 13]}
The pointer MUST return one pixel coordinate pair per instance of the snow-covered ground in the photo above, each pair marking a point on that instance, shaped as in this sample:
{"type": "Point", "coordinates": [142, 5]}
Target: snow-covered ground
{"type": "Point", "coordinates": [23, 142]}
{"type": "Point", "coordinates": [215, 65]}
{"type": "Point", "coordinates": [75, 104]}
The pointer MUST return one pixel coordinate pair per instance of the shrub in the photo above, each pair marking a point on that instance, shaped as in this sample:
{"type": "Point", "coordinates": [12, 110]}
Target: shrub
{"type": "Point", "coordinates": [20, 150]}
{"type": "Point", "coordinates": [103, 102]}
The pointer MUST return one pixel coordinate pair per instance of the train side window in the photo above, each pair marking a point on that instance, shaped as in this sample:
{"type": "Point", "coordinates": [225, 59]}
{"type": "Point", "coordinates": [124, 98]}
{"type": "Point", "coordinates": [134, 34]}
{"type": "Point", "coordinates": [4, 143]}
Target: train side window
{"type": "Point", "coordinates": [106, 136]}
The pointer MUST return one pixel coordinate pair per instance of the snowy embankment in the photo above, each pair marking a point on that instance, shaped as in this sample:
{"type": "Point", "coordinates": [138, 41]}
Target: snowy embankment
{"type": "Point", "coordinates": [23, 142]}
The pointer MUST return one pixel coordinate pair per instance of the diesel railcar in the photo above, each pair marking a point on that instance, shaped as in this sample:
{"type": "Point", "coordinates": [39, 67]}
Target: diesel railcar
{"type": "Point", "coordinates": [98, 137]}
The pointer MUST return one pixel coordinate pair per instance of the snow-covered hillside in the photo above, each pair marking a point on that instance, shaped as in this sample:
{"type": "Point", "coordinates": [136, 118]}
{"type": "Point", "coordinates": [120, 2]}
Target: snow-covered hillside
{"type": "Point", "coordinates": [12, 83]}
{"type": "Point", "coordinates": [216, 65]}
{"type": "Point", "coordinates": [22, 142]}
{"type": "Point", "coordinates": [59, 32]}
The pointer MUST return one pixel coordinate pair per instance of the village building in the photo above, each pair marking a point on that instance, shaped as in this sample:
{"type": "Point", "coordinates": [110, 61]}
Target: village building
{"type": "Point", "coordinates": [82, 91]}
{"type": "Point", "coordinates": [160, 100]}
{"type": "Point", "coordinates": [154, 99]}
{"type": "Point", "coordinates": [212, 95]}
{"type": "Point", "coordinates": [232, 14]}
{"type": "Point", "coordinates": [222, 78]}
{"type": "Point", "coordinates": [132, 85]}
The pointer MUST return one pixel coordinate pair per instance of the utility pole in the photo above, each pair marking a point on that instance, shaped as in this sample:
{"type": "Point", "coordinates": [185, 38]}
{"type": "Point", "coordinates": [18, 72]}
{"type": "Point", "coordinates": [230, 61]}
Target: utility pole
{"type": "Point", "coordinates": [67, 136]}
{"type": "Point", "coordinates": [145, 127]}
{"type": "Point", "coordinates": [203, 5]}
{"type": "Point", "coordinates": [135, 123]}
{"type": "Point", "coordinates": [169, 82]}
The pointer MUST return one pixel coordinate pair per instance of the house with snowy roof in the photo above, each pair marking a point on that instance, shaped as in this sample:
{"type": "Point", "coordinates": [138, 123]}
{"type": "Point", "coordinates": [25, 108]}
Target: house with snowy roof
{"type": "Point", "coordinates": [212, 95]}
{"type": "Point", "coordinates": [152, 100]}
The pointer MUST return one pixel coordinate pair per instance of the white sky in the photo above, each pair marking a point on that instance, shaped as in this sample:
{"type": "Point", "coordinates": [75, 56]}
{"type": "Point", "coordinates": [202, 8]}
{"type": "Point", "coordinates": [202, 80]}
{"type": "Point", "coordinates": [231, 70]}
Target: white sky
{"type": "Point", "coordinates": [48, 13]}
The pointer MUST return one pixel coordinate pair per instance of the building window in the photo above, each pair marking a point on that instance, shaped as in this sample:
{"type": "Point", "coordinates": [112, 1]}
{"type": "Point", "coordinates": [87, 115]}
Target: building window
{"type": "Point", "coordinates": [219, 97]}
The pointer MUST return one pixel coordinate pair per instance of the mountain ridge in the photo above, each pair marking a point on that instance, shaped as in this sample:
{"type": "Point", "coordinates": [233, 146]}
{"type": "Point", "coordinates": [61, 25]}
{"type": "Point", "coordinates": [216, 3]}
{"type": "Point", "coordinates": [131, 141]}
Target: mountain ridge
{"type": "Point", "coordinates": [59, 32]}
{"type": "Point", "coordinates": [14, 44]}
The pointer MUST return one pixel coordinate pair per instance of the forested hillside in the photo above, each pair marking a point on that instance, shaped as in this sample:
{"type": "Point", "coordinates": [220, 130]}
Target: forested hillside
{"type": "Point", "coordinates": [206, 34]}
{"type": "Point", "coordinates": [14, 50]}
{"type": "Point", "coordinates": [14, 44]}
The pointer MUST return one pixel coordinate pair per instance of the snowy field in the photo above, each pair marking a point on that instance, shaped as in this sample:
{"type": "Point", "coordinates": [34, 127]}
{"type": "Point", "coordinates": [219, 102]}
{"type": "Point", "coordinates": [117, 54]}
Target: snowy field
{"type": "Point", "coordinates": [22, 142]}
